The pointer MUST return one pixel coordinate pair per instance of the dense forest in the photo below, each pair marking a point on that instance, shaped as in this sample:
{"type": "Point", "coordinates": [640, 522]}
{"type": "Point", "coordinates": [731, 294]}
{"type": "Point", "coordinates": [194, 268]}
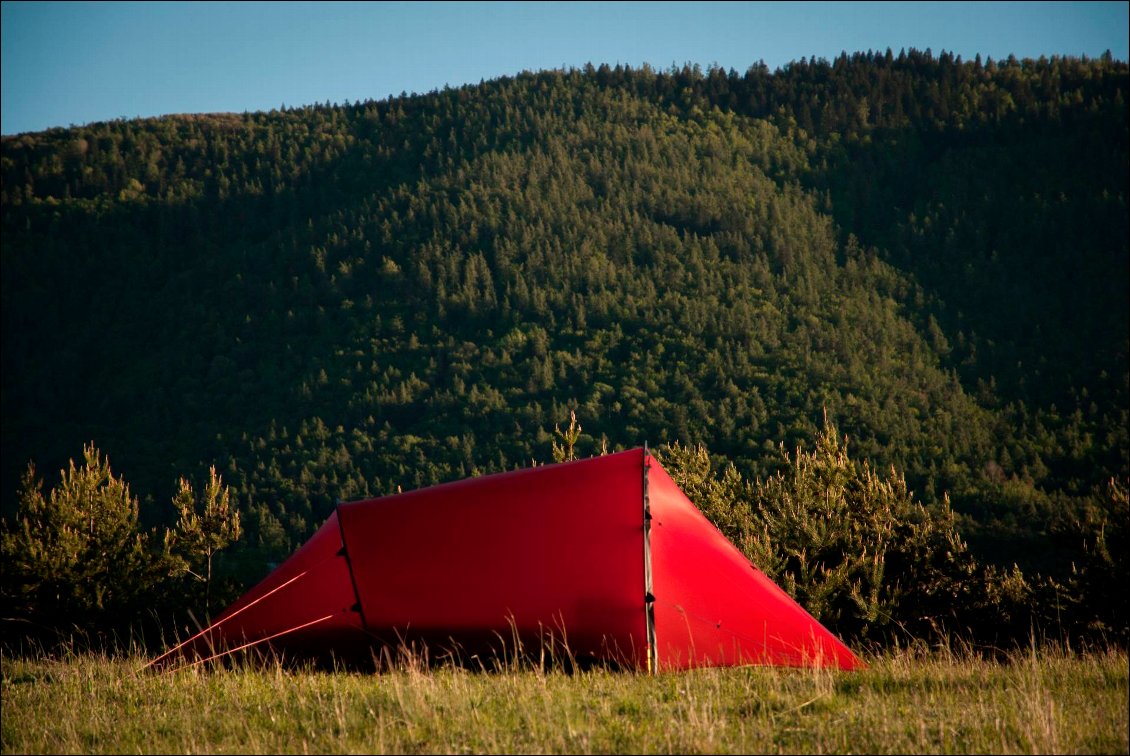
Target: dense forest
{"type": "Point", "coordinates": [923, 254]}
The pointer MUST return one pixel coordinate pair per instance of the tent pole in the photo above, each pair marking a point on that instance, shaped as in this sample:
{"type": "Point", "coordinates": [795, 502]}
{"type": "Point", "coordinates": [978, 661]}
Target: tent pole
{"type": "Point", "coordinates": [349, 566]}
{"type": "Point", "coordinates": [648, 592]}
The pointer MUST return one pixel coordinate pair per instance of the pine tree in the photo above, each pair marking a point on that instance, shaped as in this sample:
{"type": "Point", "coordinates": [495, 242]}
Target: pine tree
{"type": "Point", "coordinates": [564, 452]}
{"type": "Point", "coordinates": [199, 535]}
{"type": "Point", "coordinates": [75, 555]}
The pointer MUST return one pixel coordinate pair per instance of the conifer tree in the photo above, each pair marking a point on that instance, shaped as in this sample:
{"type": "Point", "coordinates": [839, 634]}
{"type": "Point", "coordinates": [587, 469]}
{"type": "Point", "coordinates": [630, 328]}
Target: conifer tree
{"type": "Point", "coordinates": [853, 546]}
{"type": "Point", "coordinates": [198, 535]}
{"type": "Point", "coordinates": [564, 452]}
{"type": "Point", "coordinates": [75, 555]}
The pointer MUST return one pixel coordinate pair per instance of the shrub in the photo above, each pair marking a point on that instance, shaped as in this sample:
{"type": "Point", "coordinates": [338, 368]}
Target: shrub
{"type": "Point", "coordinates": [854, 547]}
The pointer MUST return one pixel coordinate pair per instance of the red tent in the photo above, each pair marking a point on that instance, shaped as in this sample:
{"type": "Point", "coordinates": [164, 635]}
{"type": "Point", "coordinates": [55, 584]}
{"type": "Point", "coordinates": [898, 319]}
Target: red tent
{"type": "Point", "coordinates": [602, 558]}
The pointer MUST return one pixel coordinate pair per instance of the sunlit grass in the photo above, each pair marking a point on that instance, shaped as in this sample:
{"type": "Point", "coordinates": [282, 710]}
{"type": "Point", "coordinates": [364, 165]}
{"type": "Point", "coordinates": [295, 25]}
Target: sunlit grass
{"type": "Point", "coordinates": [904, 702]}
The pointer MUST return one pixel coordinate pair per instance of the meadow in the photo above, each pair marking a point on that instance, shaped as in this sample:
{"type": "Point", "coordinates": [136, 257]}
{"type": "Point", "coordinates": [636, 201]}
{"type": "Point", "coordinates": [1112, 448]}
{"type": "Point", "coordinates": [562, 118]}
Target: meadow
{"type": "Point", "coordinates": [906, 701]}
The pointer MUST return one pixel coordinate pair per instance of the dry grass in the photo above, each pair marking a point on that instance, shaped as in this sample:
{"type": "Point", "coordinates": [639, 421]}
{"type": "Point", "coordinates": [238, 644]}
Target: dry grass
{"type": "Point", "coordinates": [905, 702]}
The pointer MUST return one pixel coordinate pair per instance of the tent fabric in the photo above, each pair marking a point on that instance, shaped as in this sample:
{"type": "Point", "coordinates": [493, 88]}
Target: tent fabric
{"type": "Point", "coordinates": [557, 557]}
{"type": "Point", "coordinates": [713, 607]}
{"type": "Point", "coordinates": [537, 553]}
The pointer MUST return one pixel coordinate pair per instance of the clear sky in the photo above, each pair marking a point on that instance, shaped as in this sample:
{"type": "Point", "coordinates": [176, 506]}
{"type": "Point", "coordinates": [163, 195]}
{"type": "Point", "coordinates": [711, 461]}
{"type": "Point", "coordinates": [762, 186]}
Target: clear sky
{"type": "Point", "coordinates": [70, 63]}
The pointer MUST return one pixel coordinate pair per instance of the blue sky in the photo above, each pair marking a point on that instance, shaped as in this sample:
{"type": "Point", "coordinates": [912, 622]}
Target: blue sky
{"type": "Point", "coordinates": [73, 63]}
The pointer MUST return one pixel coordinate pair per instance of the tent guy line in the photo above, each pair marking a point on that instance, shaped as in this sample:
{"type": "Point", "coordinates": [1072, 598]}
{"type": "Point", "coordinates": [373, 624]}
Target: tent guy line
{"type": "Point", "coordinates": [216, 624]}
{"type": "Point", "coordinates": [250, 644]}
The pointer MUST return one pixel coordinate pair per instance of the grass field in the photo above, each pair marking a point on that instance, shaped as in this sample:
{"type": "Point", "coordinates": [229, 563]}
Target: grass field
{"type": "Point", "coordinates": [904, 702]}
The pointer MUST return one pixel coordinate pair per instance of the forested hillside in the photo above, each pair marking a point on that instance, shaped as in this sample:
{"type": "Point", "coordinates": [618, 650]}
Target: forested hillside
{"type": "Point", "coordinates": [337, 301]}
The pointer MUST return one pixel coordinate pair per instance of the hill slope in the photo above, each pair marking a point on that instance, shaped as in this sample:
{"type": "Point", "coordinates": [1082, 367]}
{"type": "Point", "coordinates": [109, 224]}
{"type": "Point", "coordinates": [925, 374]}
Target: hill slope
{"type": "Point", "coordinates": [333, 301]}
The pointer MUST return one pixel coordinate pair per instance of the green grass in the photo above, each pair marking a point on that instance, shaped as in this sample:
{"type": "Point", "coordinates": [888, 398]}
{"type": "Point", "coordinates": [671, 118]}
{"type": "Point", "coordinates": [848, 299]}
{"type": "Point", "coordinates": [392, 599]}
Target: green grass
{"type": "Point", "coordinates": [904, 702]}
